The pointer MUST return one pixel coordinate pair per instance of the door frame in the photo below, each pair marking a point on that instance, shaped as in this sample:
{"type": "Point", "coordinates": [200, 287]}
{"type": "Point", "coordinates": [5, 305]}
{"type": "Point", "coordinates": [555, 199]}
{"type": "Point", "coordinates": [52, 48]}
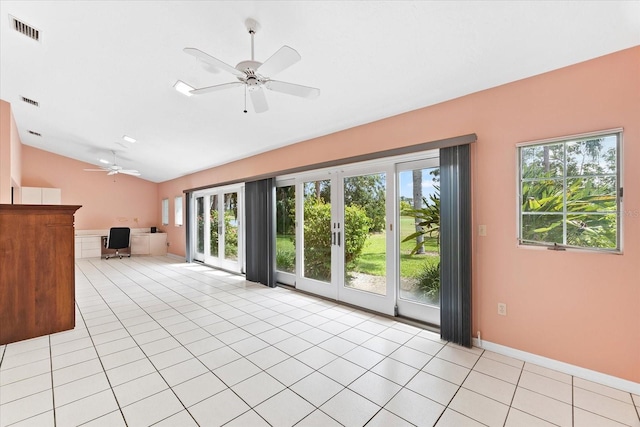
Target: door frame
{"type": "Point", "coordinates": [415, 310]}
{"type": "Point", "coordinates": [238, 265]}
{"type": "Point", "coordinates": [338, 291]}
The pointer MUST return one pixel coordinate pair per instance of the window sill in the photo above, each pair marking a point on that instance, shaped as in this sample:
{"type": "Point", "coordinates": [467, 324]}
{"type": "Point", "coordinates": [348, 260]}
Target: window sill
{"type": "Point", "coordinates": [569, 249]}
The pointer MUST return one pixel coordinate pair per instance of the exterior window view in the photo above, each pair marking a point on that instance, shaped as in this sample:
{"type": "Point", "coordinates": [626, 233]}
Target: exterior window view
{"type": "Point", "coordinates": [420, 237]}
{"type": "Point", "coordinates": [570, 193]}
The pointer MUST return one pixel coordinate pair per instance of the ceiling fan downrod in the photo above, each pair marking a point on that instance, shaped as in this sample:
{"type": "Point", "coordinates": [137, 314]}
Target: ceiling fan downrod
{"type": "Point", "coordinates": [252, 26]}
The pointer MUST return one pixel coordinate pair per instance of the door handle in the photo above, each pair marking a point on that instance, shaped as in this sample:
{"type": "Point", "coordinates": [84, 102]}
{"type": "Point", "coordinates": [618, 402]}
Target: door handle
{"type": "Point", "coordinates": [338, 238]}
{"type": "Point", "coordinates": [333, 238]}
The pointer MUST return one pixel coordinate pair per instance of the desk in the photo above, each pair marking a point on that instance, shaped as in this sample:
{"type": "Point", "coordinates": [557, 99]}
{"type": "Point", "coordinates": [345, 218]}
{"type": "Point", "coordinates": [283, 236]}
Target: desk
{"type": "Point", "coordinates": [92, 243]}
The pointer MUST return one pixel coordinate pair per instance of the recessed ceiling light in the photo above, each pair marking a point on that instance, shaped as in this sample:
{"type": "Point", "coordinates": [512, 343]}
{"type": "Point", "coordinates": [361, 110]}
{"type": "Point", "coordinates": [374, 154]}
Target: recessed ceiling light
{"type": "Point", "coordinates": [183, 88]}
{"type": "Point", "coordinates": [129, 139]}
{"type": "Point", "coordinates": [106, 162]}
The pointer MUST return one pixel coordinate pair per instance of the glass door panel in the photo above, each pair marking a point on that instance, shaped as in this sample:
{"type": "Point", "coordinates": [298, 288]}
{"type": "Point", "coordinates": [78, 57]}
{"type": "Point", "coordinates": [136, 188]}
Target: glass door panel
{"type": "Point", "coordinates": [316, 248]}
{"type": "Point", "coordinates": [317, 230]}
{"type": "Point", "coordinates": [365, 237]}
{"type": "Point", "coordinates": [419, 245]}
{"type": "Point", "coordinates": [364, 262]}
{"type": "Point", "coordinates": [286, 234]}
{"type": "Point", "coordinates": [230, 226]}
{"type": "Point", "coordinates": [200, 226]}
{"type": "Point", "coordinates": [214, 215]}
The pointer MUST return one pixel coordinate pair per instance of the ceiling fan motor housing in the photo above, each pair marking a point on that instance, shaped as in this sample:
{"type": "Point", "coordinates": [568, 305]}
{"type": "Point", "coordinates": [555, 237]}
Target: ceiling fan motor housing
{"type": "Point", "coordinates": [246, 66]}
{"type": "Point", "coordinates": [252, 80]}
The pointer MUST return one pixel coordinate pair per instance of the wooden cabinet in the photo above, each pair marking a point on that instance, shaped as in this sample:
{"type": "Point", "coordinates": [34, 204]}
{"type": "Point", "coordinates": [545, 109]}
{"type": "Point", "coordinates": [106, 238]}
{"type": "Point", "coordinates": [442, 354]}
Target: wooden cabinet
{"type": "Point", "coordinates": [37, 276]}
{"type": "Point", "coordinates": [40, 196]}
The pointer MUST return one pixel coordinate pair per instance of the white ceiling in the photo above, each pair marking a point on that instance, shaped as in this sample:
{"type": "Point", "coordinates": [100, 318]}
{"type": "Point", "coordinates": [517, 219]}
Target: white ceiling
{"type": "Point", "coordinates": [104, 69]}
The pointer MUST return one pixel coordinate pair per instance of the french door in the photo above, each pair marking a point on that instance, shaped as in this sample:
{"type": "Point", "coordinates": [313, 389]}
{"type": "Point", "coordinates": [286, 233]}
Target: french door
{"type": "Point", "coordinates": [342, 216]}
{"type": "Point", "coordinates": [347, 235]}
{"type": "Point", "coordinates": [219, 239]}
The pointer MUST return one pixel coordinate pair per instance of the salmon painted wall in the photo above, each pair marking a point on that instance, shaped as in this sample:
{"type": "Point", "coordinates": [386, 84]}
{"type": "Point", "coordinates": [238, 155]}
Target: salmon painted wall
{"type": "Point", "coordinates": [10, 154]}
{"type": "Point", "coordinates": [577, 307]}
{"type": "Point", "coordinates": [105, 203]}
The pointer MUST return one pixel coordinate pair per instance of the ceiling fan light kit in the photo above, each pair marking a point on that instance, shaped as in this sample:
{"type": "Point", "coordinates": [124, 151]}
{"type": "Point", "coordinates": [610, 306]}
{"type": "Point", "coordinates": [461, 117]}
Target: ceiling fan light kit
{"type": "Point", "coordinates": [114, 169]}
{"type": "Point", "coordinates": [252, 74]}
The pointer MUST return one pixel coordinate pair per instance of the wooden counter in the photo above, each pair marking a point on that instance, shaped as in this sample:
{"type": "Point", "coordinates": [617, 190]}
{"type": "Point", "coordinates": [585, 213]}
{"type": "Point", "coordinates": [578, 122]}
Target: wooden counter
{"type": "Point", "coordinates": [37, 272]}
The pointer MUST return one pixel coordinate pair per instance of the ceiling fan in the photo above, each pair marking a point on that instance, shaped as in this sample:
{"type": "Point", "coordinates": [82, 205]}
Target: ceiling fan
{"type": "Point", "coordinates": [114, 169]}
{"type": "Point", "coordinates": [255, 75]}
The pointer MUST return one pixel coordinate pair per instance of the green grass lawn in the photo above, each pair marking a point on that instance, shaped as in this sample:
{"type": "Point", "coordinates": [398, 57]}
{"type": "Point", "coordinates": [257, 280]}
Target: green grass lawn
{"type": "Point", "coordinates": [373, 257]}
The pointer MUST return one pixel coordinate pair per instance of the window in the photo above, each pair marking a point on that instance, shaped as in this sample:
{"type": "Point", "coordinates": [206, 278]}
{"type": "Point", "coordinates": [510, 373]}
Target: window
{"type": "Point", "coordinates": [570, 192]}
{"type": "Point", "coordinates": [178, 211]}
{"type": "Point", "coordinates": [165, 211]}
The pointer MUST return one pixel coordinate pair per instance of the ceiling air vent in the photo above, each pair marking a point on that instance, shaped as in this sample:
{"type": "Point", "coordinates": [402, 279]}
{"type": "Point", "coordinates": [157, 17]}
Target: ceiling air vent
{"type": "Point", "coordinates": [34, 133]}
{"type": "Point", "coordinates": [30, 101]}
{"type": "Point", "coordinates": [25, 29]}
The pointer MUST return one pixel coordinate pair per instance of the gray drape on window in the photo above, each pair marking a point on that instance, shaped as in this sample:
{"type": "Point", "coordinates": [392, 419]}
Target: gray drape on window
{"type": "Point", "coordinates": [260, 238]}
{"type": "Point", "coordinates": [188, 226]}
{"type": "Point", "coordinates": [455, 244]}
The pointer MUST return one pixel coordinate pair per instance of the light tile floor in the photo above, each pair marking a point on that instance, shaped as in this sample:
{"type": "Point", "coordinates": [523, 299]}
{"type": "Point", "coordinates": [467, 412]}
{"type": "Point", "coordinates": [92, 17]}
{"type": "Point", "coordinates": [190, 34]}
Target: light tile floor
{"type": "Point", "coordinates": [159, 342]}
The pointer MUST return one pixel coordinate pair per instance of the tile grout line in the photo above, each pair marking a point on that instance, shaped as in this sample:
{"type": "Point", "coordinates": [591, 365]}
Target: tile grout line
{"type": "Point", "coordinates": [104, 371]}
{"type": "Point", "coordinates": [142, 350]}
{"type": "Point", "coordinates": [190, 294]}
{"type": "Point", "coordinates": [573, 405]}
{"type": "Point", "coordinates": [340, 357]}
{"type": "Point", "coordinates": [514, 395]}
{"type": "Point", "coordinates": [293, 356]}
{"type": "Point", "coordinates": [53, 394]}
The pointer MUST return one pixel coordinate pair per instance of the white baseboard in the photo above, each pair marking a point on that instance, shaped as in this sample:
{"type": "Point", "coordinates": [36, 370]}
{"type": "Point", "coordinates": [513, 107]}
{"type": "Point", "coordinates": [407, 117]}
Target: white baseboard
{"type": "Point", "coordinates": [174, 256]}
{"type": "Point", "coordinates": [576, 371]}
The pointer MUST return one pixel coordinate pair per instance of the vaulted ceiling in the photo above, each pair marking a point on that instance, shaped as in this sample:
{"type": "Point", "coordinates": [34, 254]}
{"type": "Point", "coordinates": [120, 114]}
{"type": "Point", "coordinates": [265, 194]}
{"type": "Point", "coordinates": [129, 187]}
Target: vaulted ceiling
{"type": "Point", "coordinates": [104, 69]}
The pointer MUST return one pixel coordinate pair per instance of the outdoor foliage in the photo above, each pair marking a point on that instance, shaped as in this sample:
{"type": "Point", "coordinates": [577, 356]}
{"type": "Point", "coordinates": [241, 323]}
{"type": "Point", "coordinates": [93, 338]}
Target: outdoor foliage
{"type": "Point", "coordinates": [285, 210]}
{"type": "Point", "coordinates": [428, 220]}
{"type": "Point", "coordinates": [428, 283]}
{"type": "Point", "coordinates": [317, 236]}
{"type": "Point", "coordinates": [286, 260]}
{"type": "Point", "coordinates": [569, 193]}
{"type": "Point", "coordinates": [230, 235]}
{"type": "Point", "coordinates": [368, 192]}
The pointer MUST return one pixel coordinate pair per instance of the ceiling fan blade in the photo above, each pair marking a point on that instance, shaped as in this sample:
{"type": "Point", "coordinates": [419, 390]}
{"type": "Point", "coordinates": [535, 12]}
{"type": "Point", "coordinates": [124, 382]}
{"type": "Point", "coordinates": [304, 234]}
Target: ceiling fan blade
{"type": "Point", "coordinates": [213, 61]}
{"type": "Point", "coordinates": [293, 89]}
{"type": "Point", "coordinates": [113, 173]}
{"type": "Point", "coordinates": [215, 88]}
{"type": "Point", "coordinates": [259, 101]}
{"type": "Point", "coordinates": [96, 170]}
{"type": "Point", "coordinates": [281, 60]}
{"type": "Point", "coordinates": [130, 172]}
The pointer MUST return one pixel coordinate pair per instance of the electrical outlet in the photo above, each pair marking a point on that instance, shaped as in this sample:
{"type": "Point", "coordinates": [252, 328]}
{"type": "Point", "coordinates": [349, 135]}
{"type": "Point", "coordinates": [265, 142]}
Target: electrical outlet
{"type": "Point", "coordinates": [502, 309]}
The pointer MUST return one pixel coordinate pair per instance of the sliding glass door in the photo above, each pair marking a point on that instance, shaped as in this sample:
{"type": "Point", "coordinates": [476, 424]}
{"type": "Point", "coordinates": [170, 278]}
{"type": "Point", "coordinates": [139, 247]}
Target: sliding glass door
{"type": "Point", "coordinates": [419, 240]}
{"type": "Point", "coordinates": [218, 232]}
{"type": "Point", "coordinates": [366, 235]}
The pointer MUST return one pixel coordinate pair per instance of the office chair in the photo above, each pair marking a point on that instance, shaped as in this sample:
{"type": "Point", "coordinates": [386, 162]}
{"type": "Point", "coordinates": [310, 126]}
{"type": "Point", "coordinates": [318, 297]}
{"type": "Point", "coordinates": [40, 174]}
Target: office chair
{"type": "Point", "coordinates": [119, 238]}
